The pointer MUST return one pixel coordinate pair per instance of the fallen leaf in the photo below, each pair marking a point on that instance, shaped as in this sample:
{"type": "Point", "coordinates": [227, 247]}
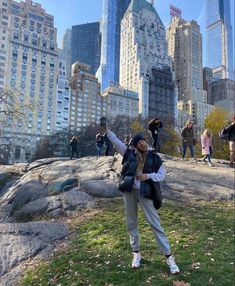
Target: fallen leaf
{"type": "Point", "coordinates": [195, 265]}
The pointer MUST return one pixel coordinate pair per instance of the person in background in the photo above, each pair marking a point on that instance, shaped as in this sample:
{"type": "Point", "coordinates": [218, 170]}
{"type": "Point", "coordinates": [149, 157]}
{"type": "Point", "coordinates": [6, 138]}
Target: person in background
{"type": "Point", "coordinates": [99, 139]}
{"type": "Point", "coordinates": [74, 147]}
{"type": "Point", "coordinates": [206, 142]}
{"type": "Point", "coordinates": [107, 144]}
{"type": "Point", "coordinates": [231, 139]}
{"type": "Point", "coordinates": [188, 140]}
{"type": "Point", "coordinates": [153, 127]}
{"type": "Point", "coordinates": [142, 170]}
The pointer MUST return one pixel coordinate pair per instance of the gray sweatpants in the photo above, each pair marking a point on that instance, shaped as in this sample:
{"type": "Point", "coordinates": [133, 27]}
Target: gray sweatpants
{"type": "Point", "coordinates": [131, 201]}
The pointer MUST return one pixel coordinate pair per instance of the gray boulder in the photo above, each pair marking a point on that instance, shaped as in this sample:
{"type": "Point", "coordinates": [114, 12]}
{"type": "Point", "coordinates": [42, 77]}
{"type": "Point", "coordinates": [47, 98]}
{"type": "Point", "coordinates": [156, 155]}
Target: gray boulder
{"type": "Point", "coordinates": [100, 188]}
{"type": "Point", "coordinates": [21, 241]}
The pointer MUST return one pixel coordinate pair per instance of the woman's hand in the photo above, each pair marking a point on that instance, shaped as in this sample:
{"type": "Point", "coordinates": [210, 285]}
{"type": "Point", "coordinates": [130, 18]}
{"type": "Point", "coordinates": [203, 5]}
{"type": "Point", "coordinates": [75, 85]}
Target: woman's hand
{"type": "Point", "coordinates": [142, 177]}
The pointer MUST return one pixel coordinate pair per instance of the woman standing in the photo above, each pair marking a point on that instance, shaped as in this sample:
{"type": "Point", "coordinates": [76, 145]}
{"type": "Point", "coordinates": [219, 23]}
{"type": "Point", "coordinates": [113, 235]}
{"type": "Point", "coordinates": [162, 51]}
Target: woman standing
{"type": "Point", "coordinates": [206, 142]}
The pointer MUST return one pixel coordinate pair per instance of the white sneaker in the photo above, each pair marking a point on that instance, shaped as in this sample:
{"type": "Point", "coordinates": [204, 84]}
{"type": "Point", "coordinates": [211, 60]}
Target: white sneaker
{"type": "Point", "coordinates": [172, 265]}
{"type": "Point", "coordinates": [136, 260]}
{"type": "Point", "coordinates": [210, 165]}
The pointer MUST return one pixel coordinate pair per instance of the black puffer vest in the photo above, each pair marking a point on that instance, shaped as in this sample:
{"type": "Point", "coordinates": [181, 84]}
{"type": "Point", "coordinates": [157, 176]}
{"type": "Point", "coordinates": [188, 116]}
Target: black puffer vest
{"type": "Point", "coordinates": [148, 189]}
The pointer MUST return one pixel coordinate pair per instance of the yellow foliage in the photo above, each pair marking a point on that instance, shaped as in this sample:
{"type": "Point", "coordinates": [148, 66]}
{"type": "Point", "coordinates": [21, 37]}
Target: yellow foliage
{"type": "Point", "coordinates": [215, 121]}
{"type": "Point", "coordinates": [136, 127]}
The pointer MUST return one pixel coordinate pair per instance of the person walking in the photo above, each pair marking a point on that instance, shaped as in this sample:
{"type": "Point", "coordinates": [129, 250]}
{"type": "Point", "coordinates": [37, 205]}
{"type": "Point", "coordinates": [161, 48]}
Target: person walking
{"type": "Point", "coordinates": [230, 129]}
{"type": "Point", "coordinates": [188, 140]}
{"type": "Point", "coordinates": [153, 127]}
{"type": "Point", "coordinates": [99, 139]}
{"type": "Point", "coordinates": [74, 147]}
{"type": "Point", "coordinates": [206, 142]}
{"type": "Point", "coordinates": [142, 170]}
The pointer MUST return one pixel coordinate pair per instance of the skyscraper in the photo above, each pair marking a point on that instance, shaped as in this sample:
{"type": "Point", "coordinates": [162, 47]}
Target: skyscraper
{"type": "Point", "coordinates": [185, 48]}
{"type": "Point", "coordinates": [144, 61]}
{"type": "Point", "coordinates": [219, 39]}
{"type": "Point", "coordinates": [112, 14]}
{"type": "Point", "coordinates": [85, 45]}
{"type": "Point", "coordinates": [29, 59]}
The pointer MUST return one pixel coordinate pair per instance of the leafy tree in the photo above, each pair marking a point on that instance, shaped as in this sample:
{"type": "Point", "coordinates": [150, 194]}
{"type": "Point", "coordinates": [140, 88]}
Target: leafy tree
{"type": "Point", "coordinates": [136, 127]}
{"type": "Point", "coordinates": [215, 121]}
{"type": "Point", "coordinates": [170, 141]}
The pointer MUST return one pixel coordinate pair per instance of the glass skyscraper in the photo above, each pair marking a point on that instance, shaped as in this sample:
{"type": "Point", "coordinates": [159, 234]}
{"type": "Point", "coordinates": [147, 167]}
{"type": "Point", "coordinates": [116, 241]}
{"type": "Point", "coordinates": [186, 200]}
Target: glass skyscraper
{"type": "Point", "coordinates": [112, 14]}
{"type": "Point", "coordinates": [85, 45]}
{"type": "Point", "coordinates": [219, 39]}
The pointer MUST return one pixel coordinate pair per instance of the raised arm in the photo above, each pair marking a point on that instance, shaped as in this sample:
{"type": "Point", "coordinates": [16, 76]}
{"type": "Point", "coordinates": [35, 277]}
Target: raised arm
{"type": "Point", "coordinates": [118, 144]}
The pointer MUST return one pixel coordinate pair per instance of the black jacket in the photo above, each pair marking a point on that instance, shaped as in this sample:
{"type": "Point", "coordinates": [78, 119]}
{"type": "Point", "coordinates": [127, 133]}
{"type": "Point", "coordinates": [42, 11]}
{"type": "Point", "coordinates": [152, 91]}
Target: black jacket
{"type": "Point", "coordinates": [148, 189]}
{"type": "Point", "coordinates": [153, 127]}
{"type": "Point", "coordinates": [231, 130]}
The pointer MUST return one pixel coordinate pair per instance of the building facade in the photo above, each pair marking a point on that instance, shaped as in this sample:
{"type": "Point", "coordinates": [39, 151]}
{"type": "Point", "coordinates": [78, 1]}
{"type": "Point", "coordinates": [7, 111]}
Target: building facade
{"type": "Point", "coordinates": [162, 95]}
{"type": "Point", "coordinates": [207, 79]}
{"type": "Point", "coordinates": [67, 47]}
{"type": "Point", "coordinates": [185, 48]}
{"type": "Point", "coordinates": [85, 45]}
{"type": "Point", "coordinates": [86, 103]}
{"type": "Point", "coordinates": [193, 110]}
{"type": "Point", "coordinates": [219, 39]}
{"type": "Point", "coordinates": [112, 14]}
{"type": "Point", "coordinates": [143, 46]}
{"type": "Point", "coordinates": [121, 101]}
{"type": "Point", "coordinates": [62, 95]}
{"type": "Point", "coordinates": [222, 93]}
{"type": "Point", "coordinates": [29, 61]}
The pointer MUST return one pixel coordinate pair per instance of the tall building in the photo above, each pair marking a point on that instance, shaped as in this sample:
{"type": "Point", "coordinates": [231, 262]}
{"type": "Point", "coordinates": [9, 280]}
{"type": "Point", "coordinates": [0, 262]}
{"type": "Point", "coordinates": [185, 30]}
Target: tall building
{"type": "Point", "coordinates": [66, 46]}
{"type": "Point", "coordinates": [185, 48]}
{"type": "Point", "coordinates": [219, 39]}
{"type": "Point", "coordinates": [143, 51]}
{"type": "Point", "coordinates": [207, 79]}
{"type": "Point", "coordinates": [64, 74]}
{"type": "Point", "coordinates": [222, 93]}
{"type": "Point", "coordinates": [86, 104]}
{"type": "Point", "coordinates": [62, 95]}
{"type": "Point", "coordinates": [112, 14]}
{"type": "Point", "coordinates": [29, 60]}
{"type": "Point", "coordinates": [85, 45]}
{"type": "Point", "coordinates": [162, 95]}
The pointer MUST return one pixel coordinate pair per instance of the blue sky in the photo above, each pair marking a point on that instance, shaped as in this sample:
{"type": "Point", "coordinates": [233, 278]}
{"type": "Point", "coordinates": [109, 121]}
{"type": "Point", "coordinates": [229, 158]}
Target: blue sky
{"type": "Point", "coordinates": [73, 12]}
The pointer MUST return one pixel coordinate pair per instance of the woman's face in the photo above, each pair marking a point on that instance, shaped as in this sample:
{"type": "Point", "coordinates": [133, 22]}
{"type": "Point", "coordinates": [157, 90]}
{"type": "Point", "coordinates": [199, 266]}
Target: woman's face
{"type": "Point", "coordinates": [190, 124]}
{"type": "Point", "coordinates": [142, 146]}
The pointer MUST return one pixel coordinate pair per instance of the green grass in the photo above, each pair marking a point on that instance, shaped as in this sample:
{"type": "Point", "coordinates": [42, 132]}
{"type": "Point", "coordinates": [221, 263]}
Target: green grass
{"type": "Point", "coordinates": [99, 253]}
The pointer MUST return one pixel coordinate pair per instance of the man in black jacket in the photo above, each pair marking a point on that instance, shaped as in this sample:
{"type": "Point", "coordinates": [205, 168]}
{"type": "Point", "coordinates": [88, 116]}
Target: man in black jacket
{"type": "Point", "coordinates": [74, 147]}
{"type": "Point", "coordinates": [154, 126]}
{"type": "Point", "coordinates": [142, 170]}
{"type": "Point", "coordinates": [231, 131]}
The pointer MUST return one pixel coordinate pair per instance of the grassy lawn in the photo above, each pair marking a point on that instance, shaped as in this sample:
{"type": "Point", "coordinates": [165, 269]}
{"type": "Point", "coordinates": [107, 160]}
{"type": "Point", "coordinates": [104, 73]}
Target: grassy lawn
{"type": "Point", "coordinates": [201, 236]}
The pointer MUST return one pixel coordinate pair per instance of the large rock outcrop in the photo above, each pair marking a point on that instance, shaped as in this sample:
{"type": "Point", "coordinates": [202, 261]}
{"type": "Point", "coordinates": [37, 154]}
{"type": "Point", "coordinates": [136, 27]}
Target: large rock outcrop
{"type": "Point", "coordinates": [57, 187]}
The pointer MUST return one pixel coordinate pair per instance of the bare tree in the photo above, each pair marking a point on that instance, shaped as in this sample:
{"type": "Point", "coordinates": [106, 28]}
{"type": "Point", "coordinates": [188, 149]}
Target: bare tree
{"type": "Point", "coordinates": [11, 109]}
